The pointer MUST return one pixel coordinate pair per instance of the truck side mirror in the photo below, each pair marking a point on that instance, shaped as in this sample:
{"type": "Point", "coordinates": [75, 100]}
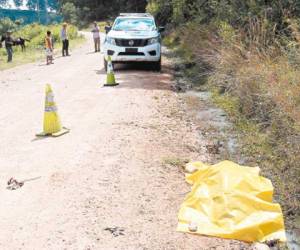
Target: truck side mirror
{"type": "Point", "coordinates": [107, 29]}
{"type": "Point", "coordinates": [161, 29]}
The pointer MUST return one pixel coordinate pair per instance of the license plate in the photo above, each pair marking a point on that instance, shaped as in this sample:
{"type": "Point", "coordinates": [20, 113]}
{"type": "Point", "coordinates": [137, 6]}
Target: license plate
{"type": "Point", "coordinates": [131, 50]}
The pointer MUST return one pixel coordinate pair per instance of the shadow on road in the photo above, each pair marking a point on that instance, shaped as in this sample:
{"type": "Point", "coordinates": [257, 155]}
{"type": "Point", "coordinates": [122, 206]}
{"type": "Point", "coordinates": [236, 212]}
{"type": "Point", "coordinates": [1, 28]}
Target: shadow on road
{"type": "Point", "coordinates": [100, 72]}
{"type": "Point", "coordinates": [40, 138]}
{"type": "Point", "coordinates": [144, 80]}
{"type": "Point", "coordinates": [137, 75]}
{"type": "Point", "coordinates": [91, 53]}
{"type": "Point", "coordinates": [133, 66]}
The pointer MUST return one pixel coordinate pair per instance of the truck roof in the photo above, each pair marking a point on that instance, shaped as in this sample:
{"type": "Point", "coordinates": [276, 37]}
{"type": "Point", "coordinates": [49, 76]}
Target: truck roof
{"type": "Point", "coordinates": [135, 15]}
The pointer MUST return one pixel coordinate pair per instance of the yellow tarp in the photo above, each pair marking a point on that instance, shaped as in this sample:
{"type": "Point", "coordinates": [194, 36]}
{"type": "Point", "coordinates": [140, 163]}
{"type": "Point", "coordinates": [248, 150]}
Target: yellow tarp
{"type": "Point", "coordinates": [231, 201]}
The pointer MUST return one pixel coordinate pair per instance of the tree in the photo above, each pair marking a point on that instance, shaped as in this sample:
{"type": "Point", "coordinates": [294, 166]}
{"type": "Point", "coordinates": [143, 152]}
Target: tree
{"type": "Point", "coordinates": [18, 3]}
{"type": "Point", "coordinates": [69, 12]}
{"type": "Point", "coordinates": [3, 3]}
{"type": "Point", "coordinates": [7, 24]}
{"type": "Point", "coordinates": [235, 12]}
{"type": "Point", "coordinates": [90, 10]}
{"type": "Point", "coordinates": [40, 5]}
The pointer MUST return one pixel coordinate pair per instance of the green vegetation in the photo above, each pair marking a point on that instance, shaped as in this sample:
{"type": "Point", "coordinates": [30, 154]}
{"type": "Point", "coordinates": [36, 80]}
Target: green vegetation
{"type": "Point", "coordinates": [7, 24]}
{"type": "Point", "coordinates": [40, 11]}
{"type": "Point", "coordinates": [31, 16]}
{"type": "Point", "coordinates": [41, 5]}
{"type": "Point", "coordinates": [77, 12]}
{"type": "Point", "coordinates": [101, 25]}
{"type": "Point", "coordinates": [247, 53]}
{"type": "Point", "coordinates": [82, 13]}
{"type": "Point", "coordinates": [35, 48]}
{"type": "Point", "coordinates": [175, 162]}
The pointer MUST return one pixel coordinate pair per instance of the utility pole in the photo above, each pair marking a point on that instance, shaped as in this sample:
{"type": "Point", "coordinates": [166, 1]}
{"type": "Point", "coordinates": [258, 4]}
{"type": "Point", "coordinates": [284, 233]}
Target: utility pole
{"type": "Point", "coordinates": [38, 10]}
{"type": "Point", "coordinates": [46, 8]}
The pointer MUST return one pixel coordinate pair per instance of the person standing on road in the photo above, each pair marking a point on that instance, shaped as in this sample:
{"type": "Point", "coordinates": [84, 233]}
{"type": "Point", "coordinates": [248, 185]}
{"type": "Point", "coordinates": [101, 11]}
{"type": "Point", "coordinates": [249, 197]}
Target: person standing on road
{"type": "Point", "coordinates": [49, 48]}
{"type": "Point", "coordinates": [9, 42]}
{"type": "Point", "coordinates": [65, 40]}
{"type": "Point", "coordinates": [96, 36]}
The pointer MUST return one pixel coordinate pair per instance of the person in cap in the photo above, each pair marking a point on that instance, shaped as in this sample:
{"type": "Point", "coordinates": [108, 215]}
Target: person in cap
{"type": "Point", "coordinates": [96, 36]}
{"type": "Point", "coordinates": [9, 42]}
{"type": "Point", "coordinates": [65, 40]}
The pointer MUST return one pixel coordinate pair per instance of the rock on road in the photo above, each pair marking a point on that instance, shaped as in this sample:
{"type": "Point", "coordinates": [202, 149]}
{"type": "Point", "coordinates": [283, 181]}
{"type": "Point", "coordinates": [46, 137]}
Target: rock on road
{"type": "Point", "coordinates": [104, 185]}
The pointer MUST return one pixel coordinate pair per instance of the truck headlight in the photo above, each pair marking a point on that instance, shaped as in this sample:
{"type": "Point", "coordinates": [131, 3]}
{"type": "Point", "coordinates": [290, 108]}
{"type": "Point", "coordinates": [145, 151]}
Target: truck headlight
{"type": "Point", "coordinates": [153, 40]}
{"type": "Point", "coordinates": [111, 40]}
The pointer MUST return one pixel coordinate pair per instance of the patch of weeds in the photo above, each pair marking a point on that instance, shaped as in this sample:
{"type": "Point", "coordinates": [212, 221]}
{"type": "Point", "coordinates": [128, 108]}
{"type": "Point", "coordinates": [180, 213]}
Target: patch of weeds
{"type": "Point", "coordinates": [228, 103]}
{"type": "Point", "coordinates": [269, 149]}
{"type": "Point", "coordinates": [175, 162]}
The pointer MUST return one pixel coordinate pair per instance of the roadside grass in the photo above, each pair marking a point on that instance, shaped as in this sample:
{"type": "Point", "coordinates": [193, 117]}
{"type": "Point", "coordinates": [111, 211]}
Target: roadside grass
{"type": "Point", "coordinates": [101, 25]}
{"type": "Point", "coordinates": [35, 48]}
{"type": "Point", "coordinates": [272, 152]}
{"type": "Point", "coordinates": [257, 84]}
{"type": "Point", "coordinates": [175, 162]}
{"type": "Point", "coordinates": [20, 58]}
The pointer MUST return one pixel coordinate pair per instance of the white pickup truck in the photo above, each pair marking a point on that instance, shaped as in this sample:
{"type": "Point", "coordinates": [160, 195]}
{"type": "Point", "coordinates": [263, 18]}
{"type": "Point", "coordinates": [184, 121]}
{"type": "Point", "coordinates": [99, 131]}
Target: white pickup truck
{"type": "Point", "coordinates": [134, 37]}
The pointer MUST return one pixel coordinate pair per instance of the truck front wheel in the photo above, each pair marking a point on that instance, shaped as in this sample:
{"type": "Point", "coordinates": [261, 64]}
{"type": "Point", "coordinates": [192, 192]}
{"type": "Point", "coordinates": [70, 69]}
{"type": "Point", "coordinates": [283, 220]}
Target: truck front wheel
{"type": "Point", "coordinates": [157, 66]}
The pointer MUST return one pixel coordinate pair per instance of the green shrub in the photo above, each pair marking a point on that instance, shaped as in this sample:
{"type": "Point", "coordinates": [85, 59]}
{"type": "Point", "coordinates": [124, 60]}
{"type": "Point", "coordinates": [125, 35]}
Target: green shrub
{"type": "Point", "coordinates": [7, 24]}
{"type": "Point", "coordinates": [36, 33]}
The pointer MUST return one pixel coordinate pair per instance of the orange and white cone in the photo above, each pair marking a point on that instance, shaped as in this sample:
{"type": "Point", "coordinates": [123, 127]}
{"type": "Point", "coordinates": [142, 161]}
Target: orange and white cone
{"type": "Point", "coordinates": [52, 125]}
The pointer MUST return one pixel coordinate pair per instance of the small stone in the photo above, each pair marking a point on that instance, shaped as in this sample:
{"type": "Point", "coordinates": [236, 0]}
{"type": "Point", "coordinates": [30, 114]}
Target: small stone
{"type": "Point", "coordinates": [193, 226]}
{"type": "Point", "coordinates": [259, 246]}
{"type": "Point", "coordinates": [190, 168]}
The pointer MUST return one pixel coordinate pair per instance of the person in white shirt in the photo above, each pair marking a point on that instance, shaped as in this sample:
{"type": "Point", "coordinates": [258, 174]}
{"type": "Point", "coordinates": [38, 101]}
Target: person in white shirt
{"type": "Point", "coordinates": [96, 36]}
{"type": "Point", "coordinates": [65, 40]}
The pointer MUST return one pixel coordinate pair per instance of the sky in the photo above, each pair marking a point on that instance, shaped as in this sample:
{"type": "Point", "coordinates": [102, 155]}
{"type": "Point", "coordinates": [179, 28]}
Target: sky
{"type": "Point", "coordinates": [12, 5]}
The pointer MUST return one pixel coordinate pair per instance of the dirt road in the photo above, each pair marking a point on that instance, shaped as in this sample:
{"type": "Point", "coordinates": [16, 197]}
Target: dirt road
{"type": "Point", "coordinates": [105, 185]}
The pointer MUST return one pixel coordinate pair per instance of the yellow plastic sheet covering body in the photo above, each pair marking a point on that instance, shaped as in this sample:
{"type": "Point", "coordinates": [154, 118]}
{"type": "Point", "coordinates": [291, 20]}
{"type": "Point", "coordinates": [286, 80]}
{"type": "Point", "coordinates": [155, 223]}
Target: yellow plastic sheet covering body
{"type": "Point", "coordinates": [231, 201]}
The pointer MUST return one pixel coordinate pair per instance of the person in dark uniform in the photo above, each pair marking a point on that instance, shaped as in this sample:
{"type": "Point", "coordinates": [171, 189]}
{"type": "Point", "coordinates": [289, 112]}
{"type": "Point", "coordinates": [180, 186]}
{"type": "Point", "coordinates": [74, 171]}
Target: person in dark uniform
{"type": "Point", "coordinates": [9, 42]}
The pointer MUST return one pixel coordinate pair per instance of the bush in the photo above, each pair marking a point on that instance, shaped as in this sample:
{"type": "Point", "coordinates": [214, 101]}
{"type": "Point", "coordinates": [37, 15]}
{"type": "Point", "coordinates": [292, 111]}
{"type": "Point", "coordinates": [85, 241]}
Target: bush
{"type": "Point", "coordinates": [36, 33]}
{"type": "Point", "coordinates": [7, 24]}
{"type": "Point", "coordinates": [69, 12]}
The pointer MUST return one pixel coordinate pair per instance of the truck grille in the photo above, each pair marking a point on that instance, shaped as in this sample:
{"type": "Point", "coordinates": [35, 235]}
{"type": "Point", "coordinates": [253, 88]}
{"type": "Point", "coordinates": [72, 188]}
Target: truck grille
{"type": "Point", "coordinates": [131, 54]}
{"type": "Point", "coordinates": [131, 42]}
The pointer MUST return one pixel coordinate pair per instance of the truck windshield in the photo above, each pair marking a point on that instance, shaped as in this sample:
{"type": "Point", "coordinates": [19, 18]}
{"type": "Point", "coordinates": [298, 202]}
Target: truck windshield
{"type": "Point", "coordinates": [134, 24]}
